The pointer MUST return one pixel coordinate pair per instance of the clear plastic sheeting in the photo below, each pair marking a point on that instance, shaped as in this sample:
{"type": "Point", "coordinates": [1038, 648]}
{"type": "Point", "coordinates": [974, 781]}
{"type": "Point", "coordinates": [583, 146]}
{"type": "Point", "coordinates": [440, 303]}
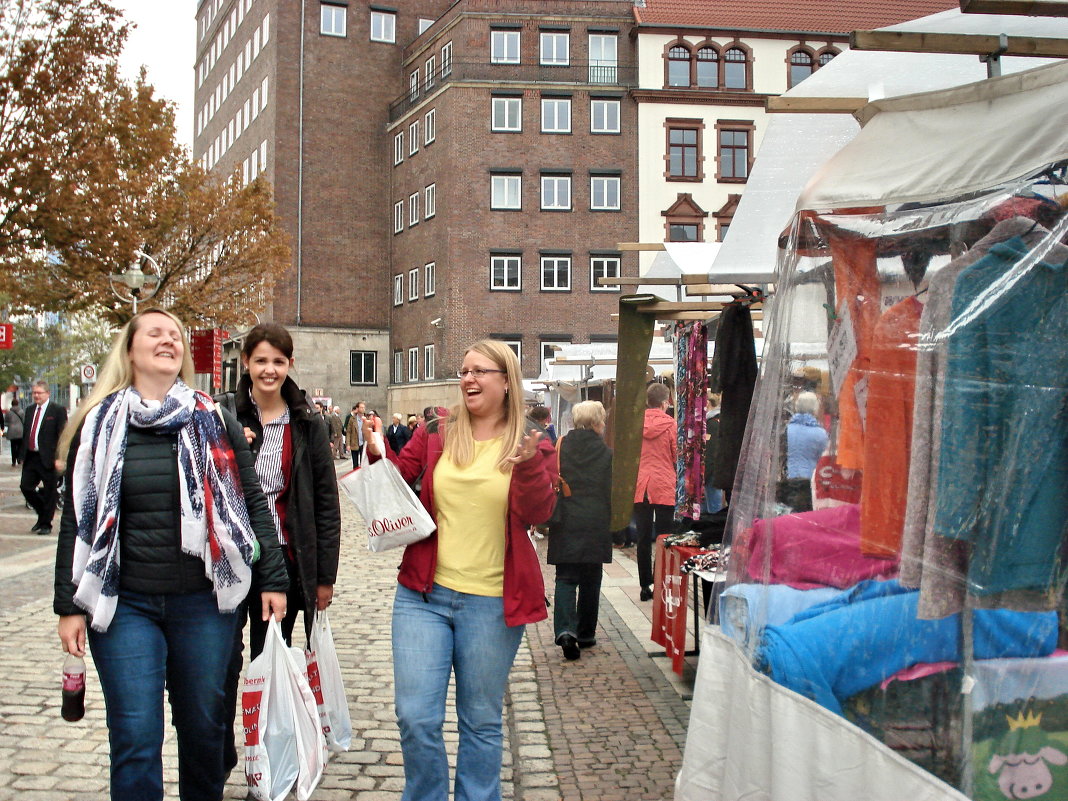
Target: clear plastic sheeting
{"type": "Point", "coordinates": [897, 525]}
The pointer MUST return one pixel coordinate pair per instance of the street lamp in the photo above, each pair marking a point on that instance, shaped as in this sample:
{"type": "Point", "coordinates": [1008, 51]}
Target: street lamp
{"type": "Point", "coordinates": [133, 283]}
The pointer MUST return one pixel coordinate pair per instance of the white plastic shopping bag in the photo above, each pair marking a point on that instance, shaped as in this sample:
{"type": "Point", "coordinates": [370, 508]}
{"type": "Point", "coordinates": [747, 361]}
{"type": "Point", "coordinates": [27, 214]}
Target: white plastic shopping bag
{"type": "Point", "coordinates": [284, 745]}
{"type": "Point", "coordinates": [324, 676]}
{"type": "Point", "coordinates": [391, 511]}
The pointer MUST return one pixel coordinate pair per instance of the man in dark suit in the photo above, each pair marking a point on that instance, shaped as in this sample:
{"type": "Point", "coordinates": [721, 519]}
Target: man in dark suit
{"type": "Point", "coordinates": [43, 424]}
{"type": "Point", "coordinates": [398, 434]}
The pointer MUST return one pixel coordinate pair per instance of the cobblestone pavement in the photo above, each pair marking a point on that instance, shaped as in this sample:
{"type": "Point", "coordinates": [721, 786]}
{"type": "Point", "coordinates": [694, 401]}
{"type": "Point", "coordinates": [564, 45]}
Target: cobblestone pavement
{"type": "Point", "coordinates": [605, 728]}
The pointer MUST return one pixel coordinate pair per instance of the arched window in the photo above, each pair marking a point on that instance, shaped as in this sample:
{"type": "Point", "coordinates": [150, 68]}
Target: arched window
{"type": "Point", "coordinates": [801, 66]}
{"type": "Point", "coordinates": [678, 66]}
{"type": "Point", "coordinates": [734, 69]}
{"type": "Point", "coordinates": [707, 67]}
{"type": "Point", "coordinates": [826, 56]}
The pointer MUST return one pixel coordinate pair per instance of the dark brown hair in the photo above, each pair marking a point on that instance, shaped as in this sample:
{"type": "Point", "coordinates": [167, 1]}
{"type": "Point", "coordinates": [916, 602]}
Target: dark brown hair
{"type": "Point", "coordinates": [273, 334]}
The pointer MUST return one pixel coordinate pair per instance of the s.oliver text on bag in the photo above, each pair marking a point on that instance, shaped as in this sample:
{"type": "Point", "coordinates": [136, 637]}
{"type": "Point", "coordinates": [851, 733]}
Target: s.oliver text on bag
{"type": "Point", "coordinates": [377, 528]}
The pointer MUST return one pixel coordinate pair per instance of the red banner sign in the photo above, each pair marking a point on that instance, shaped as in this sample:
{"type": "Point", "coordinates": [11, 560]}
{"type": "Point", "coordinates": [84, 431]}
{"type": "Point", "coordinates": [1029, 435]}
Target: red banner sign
{"type": "Point", "coordinates": [207, 346]}
{"type": "Point", "coordinates": [7, 336]}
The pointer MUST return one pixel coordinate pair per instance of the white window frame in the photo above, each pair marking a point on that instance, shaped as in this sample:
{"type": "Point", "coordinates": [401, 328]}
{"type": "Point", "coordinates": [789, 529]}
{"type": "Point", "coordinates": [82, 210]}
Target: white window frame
{"type": "Point", "coordinates": [263, 93]}
{"type": "Point", "coordinates": [552, 109]}
{"type": "Point", "coordinates": [553, 57]}
{"type": "Point", "coordinates": [546, 348]}
{"type": "Point", "coordinates": [603, 69]}
{"type": "Point", "coordinates": [505, 47]}
{"type": "Point", "coordinates": [413, 364]}
{"type": "Point", "coordinates": [551, 192]}
{"type": "Point", "coordinates": [398, 148]}
{"type": "Point", "coordinates": [501, 112]}
{"type": "Point", "coordinates": [413, 284]}
{"type": "Point", "coordinates": [398, 366]}
{"type": "Point", "coordinates": [413, 209]}
{"type": "Point", "coordinates": [383, 27]}
{"type": "Point", "coordinates": [606, 180]}
{"type": "Point", "coordinates": [398, 216]}
{"type": "Point", "coordinates": [510, 263]}
{"type": "Point", "coordinates": [332, 20]}
{"type": "Point", "coordinates": [430, 201]}
{"type": "Point", "coordinates": [446, 59]}
{"type": "Point", "coordinates": [413, 138]}
{"type": "Point", "coordinates": [398, 289]}
{"type": "Point", "coordinates": [430, 126]}
{"type": "Point", "coordinates": [555, 262]}
{"type": "Point", "coordinates": [413, 86]}
{"type": "Point", "coordinates": [429, 72]}
{"type": "Point", "coordinates": [593, 273]}
{"type": "Point", "coordinates": [603, 117]}
{"type": "Point", "coordinates": [430, 279]}
{"type": "Point", "coordinates": [506, 192]}
{"type": "Point", "coordinates": [516, 346]}
{"type": "Point", "coordinates": [266, 28]}
{"type": "Point", "coordinates": [428, 361]}
{"type": "Point", "coordinates": [353, 382]}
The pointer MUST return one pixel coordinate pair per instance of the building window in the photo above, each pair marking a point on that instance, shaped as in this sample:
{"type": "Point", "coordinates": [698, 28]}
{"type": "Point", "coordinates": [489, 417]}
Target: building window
{"type": "Point", "coordinates": [684, 157]}
{"type": "Point", "coordinates": [429, 72]}
{"type": "Point", "coordinates": [825, 56]}
{"type": "Point", "coordinates": [430, 201]}
{"type": "Point", "coordinates": [413, 86]}
{"type": "Point", "coordinates": [398, 289]}
{"type": "Point", "coordinates": [603, 267]}
{"type": "Point", "coordinates": [429, 279]}
{"type": "Point", "coordinates": [507, 114]}
{"type": "Point", "coordinates": [363, 367]}
{"type": "Point", "coordinates": [604, 116]}
{"type": "Point", "coordinates": [398, 216]}
{"type": "Point", "coordinates": [504, 47]}
{"type": "Point", "coordinates": [413, 364]}
{"type": "Point", "coordinates": [684, 220]}
{"type": "Point", "coordinates": [603, 58]}
{"type": "Point", "coordinates": [428, 361]}
{"type": "Point", "coordinates": [383, 26]}
{"type": "Point", "coordinates": [413, 284]}
{"type": "Point", "coordinates": [707, 68]}
{"type": "Point", "coordinates": [555, 49]}
{"type": "Point", "coordinates": [733, 144]}
{"type": "Point", "coordinates": [430, 126]}
{"type": "Point", "coordinates": [446, 59]}
{"type": "Point", "coordinates": [516, 346]}
{"type": "Point", "coordinates": [735, 69]}
{"type": "Point", "coordinates": [678, 66]}
{"type": "Point", "coordinates": [802, 64]}
{"type": "Point", "coordinates": [505, 272]}
{"type": "Point", "coordinates": [555, 273]}
{"type": "Point", "coordinates": [604, 193]}
{"type": "Point", "coordinates": [413, 209]}
{"type": "Point", "coordinates": [556, 115]}
{"type": "Point", "coordinates": [413, 138]}
{"type": "Point", "coordinates": [332, 20]}
{"type": "Point", "coordinates": [556, 192]}
{"type": "Point", "coordinates": [398, 148]}
{"type": "Point", "coordinates": [398, 366]}
{"type": "Point", "coordinates": [684, 232]}
{"type": "Point", "coordinates": [549, 348]}
{"type": "Point", "coordinates": [506, 192]}
{"type": "Point", "coordinates": [424, 24]}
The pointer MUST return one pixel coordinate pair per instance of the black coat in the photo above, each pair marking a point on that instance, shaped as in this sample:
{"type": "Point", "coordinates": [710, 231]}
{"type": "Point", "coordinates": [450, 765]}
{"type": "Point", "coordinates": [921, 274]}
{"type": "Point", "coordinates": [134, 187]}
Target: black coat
{"type": "Point", "coordinates": [150, 555]}
{"type": "Point", "coordinates": [313, 511]}
{"type": "Point", "coordinates": [586, 465]}
{"type": "Point", "coordinates": [734, 374]}
{"type": "Point", "coordinates": [398, 436]}
{"type": "Point", "coordinates": [48, 431]}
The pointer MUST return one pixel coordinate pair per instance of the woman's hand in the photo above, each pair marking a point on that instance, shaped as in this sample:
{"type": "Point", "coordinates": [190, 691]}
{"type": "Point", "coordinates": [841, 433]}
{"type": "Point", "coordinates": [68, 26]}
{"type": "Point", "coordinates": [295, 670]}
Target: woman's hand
{"type": "Point", "coordinates": [72, 634]}
{"type": "Point", "coordinates": [526, 449]}
{"type": "Point", "coordinates": [249, 434]}
{"type": "Point", "coordinates": [368, 440]}
{"type": "Point", "coordinates": [324, 596]}
{"type": "Point", "coordinates": [273, 603]}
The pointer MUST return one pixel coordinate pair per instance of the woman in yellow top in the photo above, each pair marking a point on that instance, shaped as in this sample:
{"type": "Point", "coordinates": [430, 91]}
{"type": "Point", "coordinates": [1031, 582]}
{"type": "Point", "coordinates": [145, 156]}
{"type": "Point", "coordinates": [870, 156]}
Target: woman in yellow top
{"type": "Point", "coordinates": [466, 592]}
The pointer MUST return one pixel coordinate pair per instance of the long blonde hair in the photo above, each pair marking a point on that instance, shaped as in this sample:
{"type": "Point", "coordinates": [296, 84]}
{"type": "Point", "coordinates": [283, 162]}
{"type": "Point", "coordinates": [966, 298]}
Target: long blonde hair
{"type": "Point", "coordinates": [459, 440]}
{"type": "Point", "coordinates": [117, 373]}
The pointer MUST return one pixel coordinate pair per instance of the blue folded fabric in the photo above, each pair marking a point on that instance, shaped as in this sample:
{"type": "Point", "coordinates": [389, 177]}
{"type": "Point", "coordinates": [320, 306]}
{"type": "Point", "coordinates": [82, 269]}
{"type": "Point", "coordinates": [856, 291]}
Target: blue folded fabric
{"type": "Point", "coordinates": [866, 634]}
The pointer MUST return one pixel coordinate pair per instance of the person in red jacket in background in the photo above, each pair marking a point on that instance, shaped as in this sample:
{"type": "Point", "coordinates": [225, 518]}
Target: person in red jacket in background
{"type": "Point", "coordinates": [654, 494]}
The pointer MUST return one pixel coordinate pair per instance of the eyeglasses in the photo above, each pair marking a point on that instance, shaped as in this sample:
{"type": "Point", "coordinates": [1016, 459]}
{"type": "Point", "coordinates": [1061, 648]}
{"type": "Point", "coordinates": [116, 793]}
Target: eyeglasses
{"type": "Point", "coordinates": [478, 372]}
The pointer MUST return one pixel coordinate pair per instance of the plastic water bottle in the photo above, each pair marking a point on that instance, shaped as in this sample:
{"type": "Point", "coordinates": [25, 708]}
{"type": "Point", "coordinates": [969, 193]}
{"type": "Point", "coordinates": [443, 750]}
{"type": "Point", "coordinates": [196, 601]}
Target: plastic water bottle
{"type": "Point", "coordinates": [73, 688]}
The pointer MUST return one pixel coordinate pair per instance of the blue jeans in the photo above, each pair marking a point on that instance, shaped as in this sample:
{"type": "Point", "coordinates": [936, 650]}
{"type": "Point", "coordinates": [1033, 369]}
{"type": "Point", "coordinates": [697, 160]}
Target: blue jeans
{"type": "Point", "coordinates": [181, 643]}
{"type": "Point", "coordinates": [451, 631]}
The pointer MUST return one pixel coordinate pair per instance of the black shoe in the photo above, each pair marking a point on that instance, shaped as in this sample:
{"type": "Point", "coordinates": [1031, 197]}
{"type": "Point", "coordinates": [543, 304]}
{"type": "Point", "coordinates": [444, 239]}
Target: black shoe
{"type": "Point", "coordinates": [571, 647]}
{"type": "Point", "coordinates": [36, 528]}
{"type": "Point", "coordinates": [44, 531]}
{"type": "Point", "coordinates": [646, 594]}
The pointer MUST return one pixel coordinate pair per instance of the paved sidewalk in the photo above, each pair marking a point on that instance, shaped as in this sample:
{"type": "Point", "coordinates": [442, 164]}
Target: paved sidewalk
{"type": "Point", "coordinates": [608, 727]}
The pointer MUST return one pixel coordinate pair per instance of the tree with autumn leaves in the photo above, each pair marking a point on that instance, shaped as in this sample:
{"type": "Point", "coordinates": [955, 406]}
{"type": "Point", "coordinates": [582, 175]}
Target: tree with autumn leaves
{"type": "Point", "coordinates": [90, 173]}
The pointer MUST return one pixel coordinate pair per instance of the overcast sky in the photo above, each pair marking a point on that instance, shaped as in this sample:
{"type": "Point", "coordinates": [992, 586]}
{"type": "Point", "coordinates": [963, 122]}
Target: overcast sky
{"type": "Point", "coordinates": [164, 42]}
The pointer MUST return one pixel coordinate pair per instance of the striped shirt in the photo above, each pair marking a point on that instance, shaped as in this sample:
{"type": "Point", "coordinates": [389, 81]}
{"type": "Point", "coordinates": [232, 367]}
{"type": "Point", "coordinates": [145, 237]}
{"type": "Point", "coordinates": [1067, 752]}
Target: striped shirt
{"type": "Point", "coordinates": [272, 477]}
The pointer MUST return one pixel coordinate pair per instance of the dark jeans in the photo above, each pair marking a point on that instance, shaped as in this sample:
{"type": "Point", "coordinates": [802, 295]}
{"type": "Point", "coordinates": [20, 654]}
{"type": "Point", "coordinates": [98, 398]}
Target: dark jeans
{"type": "Point", "coordinates": [651, 520]}
{"type": "Point", "coordinates": [181, 643]}
{"type": "Point", "coordinates": [578, 594]}
{"type": "Point", "coordinates": [43, 501]}
{"type": "Point", "coordinates": [356, 454]}
{"type": "Point", "coordinates": [16, 451]}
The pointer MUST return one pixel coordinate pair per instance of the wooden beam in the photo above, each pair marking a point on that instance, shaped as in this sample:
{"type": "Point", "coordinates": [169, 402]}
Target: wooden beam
{"type": "Point", "coordinates": [594, 362]}
{"type": "Point", "coordinates": [640, 246]}
{"type": "Point", "coordinates": [1026, 8]}
{"type": "Point", "coordinates": [815, 105]}
{"type": "Point", "coordinates": [681, 280]}
{"type": "Point", "coordinates": [958, 43]}
{"type": "Point", "coordinates": [713, 289]}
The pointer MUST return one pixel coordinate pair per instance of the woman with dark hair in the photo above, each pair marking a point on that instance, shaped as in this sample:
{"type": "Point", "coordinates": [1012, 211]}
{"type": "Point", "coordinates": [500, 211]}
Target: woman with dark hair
{"type": "Point", "coordinates": [164, 533]}
{"type": "Point", "coordinates": [291, 446]}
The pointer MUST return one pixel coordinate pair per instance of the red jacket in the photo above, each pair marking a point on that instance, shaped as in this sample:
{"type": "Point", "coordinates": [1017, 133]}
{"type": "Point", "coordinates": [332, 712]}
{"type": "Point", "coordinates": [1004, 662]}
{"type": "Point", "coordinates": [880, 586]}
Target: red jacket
{"type": "Point", "coordinates": [530, 501]}
{"type": "Point", "coordinates": [656, 468]}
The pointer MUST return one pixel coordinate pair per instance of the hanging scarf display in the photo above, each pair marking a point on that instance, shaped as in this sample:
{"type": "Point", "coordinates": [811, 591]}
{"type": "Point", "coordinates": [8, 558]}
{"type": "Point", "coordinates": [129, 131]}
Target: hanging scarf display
{"type": "Point", "coordinates": [691, 388]}
{"type": "Point", "coordinates": [214, 518]}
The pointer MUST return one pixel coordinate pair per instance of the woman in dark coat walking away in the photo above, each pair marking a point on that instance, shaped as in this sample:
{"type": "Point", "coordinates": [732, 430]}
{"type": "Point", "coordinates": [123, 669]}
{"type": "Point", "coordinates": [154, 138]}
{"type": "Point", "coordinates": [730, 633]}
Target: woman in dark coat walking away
{"type": "Point", "coordinates": [581, 543]}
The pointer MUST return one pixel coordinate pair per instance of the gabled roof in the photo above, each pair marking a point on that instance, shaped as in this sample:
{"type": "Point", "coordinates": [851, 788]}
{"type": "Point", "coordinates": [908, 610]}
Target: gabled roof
{"type": "Point", "coordinates": [808, 16]}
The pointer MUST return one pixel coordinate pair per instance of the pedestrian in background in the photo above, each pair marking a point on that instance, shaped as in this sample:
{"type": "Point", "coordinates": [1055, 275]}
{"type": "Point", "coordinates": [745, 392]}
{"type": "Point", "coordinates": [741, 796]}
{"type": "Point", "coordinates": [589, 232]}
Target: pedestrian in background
{"type": "Point", "coordinates": [292, 457]}
{"type": "Point", "coordinates": [340, 436]}
{"type": "Point", "coordinates": [13, 430]}
{"type": "Point", "coordinates": [398, 434]}
{"type": "Point", "coordinates": [544, 418]}
{"type": "Point", "coordinates": [654, 493]}
{"type": "Point", "coordinates": [581, 542]}
{"type": "Point", "coordinates": [336, 432]}
{"type": "Point", "coordinates": [466, 592]}
{"type": "Point", "coordinates": [157, 472]}
{"type": "Point", "coordinates": [39, 478]}
{"type": "Point", "coordinates": [354, 433]}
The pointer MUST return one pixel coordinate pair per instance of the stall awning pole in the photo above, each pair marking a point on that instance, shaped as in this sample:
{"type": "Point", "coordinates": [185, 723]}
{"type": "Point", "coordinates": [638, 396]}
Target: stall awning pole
{"type": "Point", "coordinates": [632, 357]}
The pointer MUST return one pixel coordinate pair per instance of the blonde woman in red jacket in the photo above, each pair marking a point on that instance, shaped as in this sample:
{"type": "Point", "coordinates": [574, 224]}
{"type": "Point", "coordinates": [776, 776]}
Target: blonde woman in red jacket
{"type": "Point", "coordinates": [466, 592]}
{"type": "Point", "coordinates": [654, 494]}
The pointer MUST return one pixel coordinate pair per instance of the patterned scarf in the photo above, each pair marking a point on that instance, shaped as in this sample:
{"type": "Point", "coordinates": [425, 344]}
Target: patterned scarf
{"type": "Point", "coordinates": [214, 518]}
